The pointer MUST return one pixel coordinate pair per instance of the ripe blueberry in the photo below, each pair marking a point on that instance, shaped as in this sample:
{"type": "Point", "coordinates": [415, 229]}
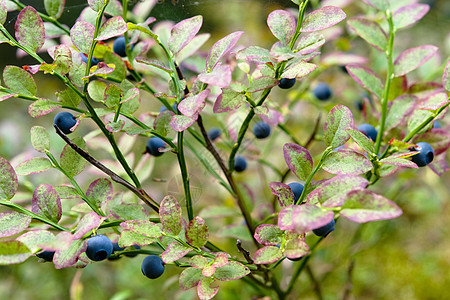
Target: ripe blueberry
{"type": "Point", "coordinates": [65, 120]}
{"type": "Point", "coordinates": [297, 189]}
{"type": "Point", "coordinates": [46, 255]}
{"type": "Point", "coordinates": [163, 108]}
{"type": "Point", "coordinates": [99, 247]}
{"type": "Point", "coordinates": [214, 133]}
{"type": "Point", "coordinates": [286, 83]}
{"type": "Point", "coordinates": [240, 164]}
{"type": "Point", "coordinates": [368, 131]}
{"type": "Point", "coordinates": [152, 266]}
{"type": "Point", "coordinates": [261, 130]}
{"type": "Point", "coordinates": [153, 146]}
{"type": "Point", "coordinates": [436, 124]}
{"type": "Point", "coordinates": [324, 230]}
{"type": "Point", "coordinates": [322, 91]}
{"type": "Point", "coordinates": [425, 156]}
{"type": "Point", "coordinates": [116, 247]}
{"type": "Point", "coordinates": [295, 259]}
{"type": "Point", "coordinates": [119, 46]}
{"type": "Point", "coordinates": [94, 60]}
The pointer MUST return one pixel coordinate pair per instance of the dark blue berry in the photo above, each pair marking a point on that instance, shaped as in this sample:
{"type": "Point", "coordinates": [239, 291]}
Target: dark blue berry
{"type": "Point", "coordinates": [152, 266]}
{"type": "Point", "coordinates": [240, 164]}
{"type": "Point", "coordinates": [116, 247]}
{"type": "Point", "coordinates": [295, 259]}
{"type": "Point", "coordinates": [436, 124]}
{"type": "Point", "coordinates": [65, 120]}
{"type": "Point", "coordinates": [46, 255]}
{"type": "Point", "coordinates": [163, 108]}
{"type": "Point", "coordinates": [261, 130]}
{"type": "Point", "coordinates": [324, 230]}
{"type": "Point", "coordinates": [286, 83]}
{"type": "Point", "coordinates": [214, 133]}
{"type": "Point", "coordinates": [368, 131]}
{"type": "Point", "coordinates": [297, 189]}
{"type": "Point", "coordinates": [94, 60]}
{"type": "Point", "coordinates": [425, 156]}
{"type": "Point", "coordinates": [119, 46]}
{"type": "Point", "coordinates": [322, 91]}
{"type": "Point", "coordinates": [134, 247]}
{"type": "Point", "coordinates": [99, 248]}
{"type": "Point", "coordinates": [153, 144]}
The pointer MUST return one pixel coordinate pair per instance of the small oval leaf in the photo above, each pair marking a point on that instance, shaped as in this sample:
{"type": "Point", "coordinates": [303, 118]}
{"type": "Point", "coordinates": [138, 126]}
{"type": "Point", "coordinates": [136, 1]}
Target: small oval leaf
{"type": "Point", "coordinates": [338, 121]}
{"type": "Point", "coordinates": [298, 160]}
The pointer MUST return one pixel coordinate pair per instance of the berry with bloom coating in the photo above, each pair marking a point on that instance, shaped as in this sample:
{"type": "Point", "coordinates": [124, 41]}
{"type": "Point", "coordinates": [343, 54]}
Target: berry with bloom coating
{"type": "Point", "coordinates": [286, 83]}
{"type": "Point", "coordinates": [65, 120]}
{"type": "Point", "coordinates": [152, 266]}
{"type": "Point", "coordinates": [94, 60]}
{"type": "Point", "coordinates": [322, 91]}
{"type": "Point", "coordinates": [214, 133]}
{"type": "Point", "coordinates": [153, 146]}
{"type": "Point", "coordinates": [46, 255]}
{"type": "Point", "coordinates": [325, 230]}
{"type": "Point", "coordinates": [297, 189]}
{"type": "Point", "coordinates": [99, 247]}
{"type": "Point", "coordinates": [425, 156]}
{"type": "Point", "coordinates": [240, 164]}
{"type": "Point", "coordinates": [261, 130]}
{"type": "Point", "coordinates": [368, 131]}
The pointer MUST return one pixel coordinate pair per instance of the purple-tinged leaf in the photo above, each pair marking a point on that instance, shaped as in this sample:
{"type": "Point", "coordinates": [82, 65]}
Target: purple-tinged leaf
{"type": "Point", "coordinates": [3, 13]}
{"type": "Point", "coordinates": [70, 160]}
{"type": "Point", "coordinates": [33, 166]}
{"type": "Point", "coordinates": [30, 31]}
{"type": "Point", "coordinates": [229, 100]}
{"type": "Point", "coordinates": [113, 95]}
{"type": "Point", "coordinates": [308, 217]}
{"type": "Point", "coordinates": [170, 215]}
{"type": "Point", "coordinates": [162, 123]}
{"type": "Point", "coordinates": [346, 162]}
{"type": "Point", "coordinates": [268, 235]}
{"type": "Point", "coordinates": [296, 248]}
{"type": "Point", "coordinates": [285, 218]}
{"type": "Point", "coordinates": [198, 262]}
{"type": "Point", "coordinates": [4, 96]}
{"type": "Point", "coordinates": [335, 128]}
{"type": "Point", "coordinates": [96, 5]}
{"type": "Point", "coordinates": [61, 241]}
{"type": "Point", "coordinates": [115, 126]}
{"type": "Point", "coordinates": [261, 83]}
{"type": "Point", "coordinates": [366, 206]}
{"type": "Point", "coordinates": [174, 252]}
{"type": "Point", "coordinates": [183, 32]}
{"type": "Point", "coordinates": [208, 271]}
{"type": "Point", "coordinates": [114, 26]}
{"type": "Point", "coordinates": [387, 170]}
{"type": "Point", "coordinates": [120, 69]}
{"type": "Point", "coordinates": [32, 239]}
{"type": "Point", "coordinates": [435, 102]}
{"type": "Point", "coordinates": [54, 8]}
{"type": "Point", "coordinates": [90, 221]}
{"type": "Point", "coordinates": [131, 94]}
{"type": "Point", "coordinates": [130, 238]}
{"type": "Point", "coordinates": [46, 202]}
{"type": "Point", "coordinates": [370, 31]}
{"type": "Point", "coordinates": [269, 115]}
{"type": "Point", "coordinates": [399, 109]}
{"type": "Point", "coordinates": [82, 34]}
{"type": "Point", "coordinates": [332, 192]}
{"type": "Point", "coordinates": [409, 14]}
{"type": "Point", "coordinates": [220, 260]}
{"type": "Point", "coordinates": [398, 161]}
{"type": "Point", "coordinates": [100, 69]}
{"type": "Point", "coordinates": [446, 76]}
{"type": "Point", "coordinates": [189, 278]}
{"type": "Point", "coordinates": [322, 18]}
{"type": "Point", "coordinates": [297, 68]}
{"type": "Point", "coordinates": [439, 165]}
{"type": "Point", "coordinates": [416, 118]}
{"type": "Point", "coordinates": [204, 289]}
{"type": "Point", "coordinates": [155, 63]}
{"type": "Point", "coordinates": [343, 59]}
{"type": "Point", "coordinates": [143, 227]}
{"type": "Point", "coordinates": [400, 145]}
{"type": "Point", "coordinates": [12, 222]}
{"type": "Point", "coordinates": [42, 107]}
{"type": "Point", "coordinates": [219, 76]}
{"type": "Point", "coordinates": [378, 4]}
{"type": "Point", "coordinates": [254, 54]}
{"type": "Point", "coordinates": [438, 138]}
{"type": "Point", "coordinates": [310, 43]}
{"type": "Point", "coordinates": [197, 232]}
{"type": "Point", "coordinates": [222, 47]}
{"type": "Point", "coordinates": [129, 212]}
{"type": "Point", "coordinates": [8, 180]}
{"type": "Point", "coordinates": [192, 47]}
{"type": "Point", "coordinates": [413, 58]}
{"type": "Point", "coordinates": [367, 78]}
{"type": "Point", "coordinates": [231, 271]}
{"type": "Point", "coordinates": [19, 80]}
{"type": "Point", "coordinates": [362, 140]}
{"type": "Point", "coordinates": [283, 193]}
{"type": "Point", "coordinates": [180, 123]}
{"type": "Point", "coordinates": [13, 252]}
{"type": "Point", "coordinates": [194, 104]}
{"type": "Point", "coordinates": [100, 191]}
{"type": "Point", "coordinates": [68, 257]}
{"type": "Point", "coordinates": [298, 160]}
{"type": "Point", "coordinates": [282, 25]}
{"type": "Point", "coordinates": [40, 139]}
{"type": "Point", "coordinates": [267, 255]}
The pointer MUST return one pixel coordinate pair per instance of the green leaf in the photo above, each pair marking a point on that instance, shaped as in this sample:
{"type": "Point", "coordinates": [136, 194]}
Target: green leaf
{"type": "Point", "coordinates": [297, 68]}
{"type": "Point", "coordinates": [67, 192]}
{"type": "Point", "coordinates": [446, 76]}
{"type": "Point", "coordinates": [298, 160]}
{"type": "Point", "coordinates": [68, 97]}
{"type": "Point", "coordinates": [68, 257]}
{"type": "Point", "coordinates": [370, 31]}
{"type": "Point", "coordinates": [33, 165]}
{"type": "Point", "coordinates": [120, 71]}
{"type": "Point", "coordinates": [267, 255]}
{"type": "Point", "coordinates": [129, 212]}
{"type": "Point", "coordinates": [204, 289]}
{"type": "Point", "coordinates": [304, 218]}
{"type": "Point", "coordinates": [183, 32]}
{"type": "Point", "coordinates": [100, 191]}
{"type": "Point", "coordinates": [114, 26]}
{"type": "Point", "coordinates": [143, 227]}
{"type": "Point", "coordinates": [283, 193]}
{"type": "Point", "coordinates": [96, 90]}
{"type": "Point", "coordinates": [346, 161]}
{"type": "Point", "coordinates": [82, 34]}
{"type": "Point", "coordinates": [54, 8]}
{"type": "Point", "coordinates": [268, 235]}
{"type": "Point", "coordinates": [33, 239]}
{"type": "Point", "coordinates": [40, 139]}
{"type": "Point", "coordinates": [197, 232]}
{"type": "Point", "coordinates": [296, 248]}
{"type": "Point", "coordinates": [89, 222]}
{"type": "Point", "coordinates": [170, 215]}
{"type": "Point", "coordinates": [198, 262]}
{"type": "Point", "coordinates": [174, 252]}
{"type": "Point", "coordinates": [46, 202]}
{"type": "Point", "coordinates": [73, 163]}
{"type": "Point", "coordinates": [367, 78]}
{"type": "Point", "coordinates": [63, 59]}
{"type": "Point", "coordinates": [417, 117]}
{"type": "Point", "coordinates": [189, 278]}
{"type": "Point", "coordinates": [42, 107]}
{"type": "Point", "coordinates": [113, 96]}
{"type": "Point", "coordinates": [338, 121]}
{"type": "Point", "coordinates": [282, 25]}
{"type": "Point", "coordinates": [30, 31]}
{"type": "Point", "coordinates": [231, 271]}
{"type": "Point", "coordinates": [13, 252]}
{"type": "Point", "coordinates": [96, 5]}
{"type": "Point", "coordinates": [413, 58]}
{"type": "Point", "coordinates": [362, 140]}
{"type": "Point", "coordinates": [12, 222]}
{"type": "Point", "coordinates": [378, 4]}
{"type": "Point", "coordinates": [130, 238]}
{"type": "Point", "coordinates": [19, 80]}
{"type": "Point", "coordinates": [3, 13]}
{"type": "Point", "coordinates": [229, 100]}
{"type": "Point", "coordinates": [409, 14]}
{"type": "Point", "coordinates": [222, 47]}
{"type": "Point", "coordinates": [322, 18]}
{"type": "Point", "coordinates": [8, 180]}
{"type": "Point", "coordinates": [261, 83]}
{"type": "Point", "coordinates": [399, 109]}
{"type": "Point", "coordinates": [162, 123]}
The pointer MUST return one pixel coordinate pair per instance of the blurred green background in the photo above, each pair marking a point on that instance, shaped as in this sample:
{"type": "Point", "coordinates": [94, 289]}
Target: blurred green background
{"type": "Point", "coordinates": [405, 258]}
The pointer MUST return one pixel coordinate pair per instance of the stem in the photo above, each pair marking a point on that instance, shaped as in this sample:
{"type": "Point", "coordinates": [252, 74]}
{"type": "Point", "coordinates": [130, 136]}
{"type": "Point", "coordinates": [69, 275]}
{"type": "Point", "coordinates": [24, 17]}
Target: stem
{"type": "Point", "coordinates": [185, 176]}
{"type": "Point", "coordinates": [301, 14]}
{"type": "Point", "coordinates": [315, 283]}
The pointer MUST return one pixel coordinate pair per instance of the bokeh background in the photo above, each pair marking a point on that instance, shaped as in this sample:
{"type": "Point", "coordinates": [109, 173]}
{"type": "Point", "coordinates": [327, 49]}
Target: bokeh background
{"type": "Point", "coordinates": [405, 258]}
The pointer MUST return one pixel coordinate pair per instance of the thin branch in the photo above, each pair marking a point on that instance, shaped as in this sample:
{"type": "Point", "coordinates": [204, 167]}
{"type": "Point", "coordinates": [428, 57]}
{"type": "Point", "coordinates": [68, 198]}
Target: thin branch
{"type": "Point", "coordinates": [349, 284]}
{"type": "Point", "coordinates": [313, 134]}
{"type": "Point", "coordinates": [315, 283]}
{"type": "Point", "coordinates": [244, 252]}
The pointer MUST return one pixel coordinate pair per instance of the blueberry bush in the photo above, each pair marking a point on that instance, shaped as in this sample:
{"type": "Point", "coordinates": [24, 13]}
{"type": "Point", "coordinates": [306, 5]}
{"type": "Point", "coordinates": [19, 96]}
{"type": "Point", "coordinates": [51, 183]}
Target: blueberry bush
{"type": "Point", "coordinates": [226, 110]}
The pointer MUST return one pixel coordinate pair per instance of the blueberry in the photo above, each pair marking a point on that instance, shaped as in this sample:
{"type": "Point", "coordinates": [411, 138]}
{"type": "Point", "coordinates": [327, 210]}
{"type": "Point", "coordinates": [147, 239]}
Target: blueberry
{"type": "Point", "coordinates": [65, 120]}
{"type": "Point", "coordinates": [240, 164]}
{"type": "Point", "coordinates": [368, 131]}
{"type": "Point", "coordinates": [261, 130]}
{"type": "Point", "coordinates": [324, 230]}
{"type": "Point", "coordinates": [119, 46]}
{"type": "Point", "coordinates": [134, 247]}
{"type": "Point", "coordinates": [116, 247]}
{"type": "Point", "coordinates": [94, 60]}
{"type": "Point", "coordinates": [214, 133]}
{"type": "Point", "coordinates": [286, 83]}
{"type": "Point", "coordinates": [436, 124]}
{"type": "Point", "coordinates": [153, 145]}
{"type": "Point", "coordinates": [360, 102]}
{"type": "Point", "coordinates": [425, 156]}
{"type": "Point", "coordinates": [152, 266]}
{"type": "Point", "coordinates": [297, 189]}
{"type": "Point", "coordinates": [46, 255]}
{"type": "Point", "coordinates": [295, 259]}
{"type": "Point", "coordinates": [163, 108]}
{"type": "Point", "coordinates": [99, 247]}
{"type": "Point", "coordinates": [322, 91]}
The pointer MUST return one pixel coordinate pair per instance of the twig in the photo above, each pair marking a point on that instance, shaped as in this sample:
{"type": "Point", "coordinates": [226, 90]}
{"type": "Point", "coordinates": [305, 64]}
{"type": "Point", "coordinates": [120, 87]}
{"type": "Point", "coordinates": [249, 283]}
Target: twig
{"type": "Point", "coordinates": [313, 134]}
{"type": "Point", "coordinates": [349, 285]}
{"type": "Point", "coordinates": [315, 283]}
{"type": "Point", "coordinates": [244, 252]}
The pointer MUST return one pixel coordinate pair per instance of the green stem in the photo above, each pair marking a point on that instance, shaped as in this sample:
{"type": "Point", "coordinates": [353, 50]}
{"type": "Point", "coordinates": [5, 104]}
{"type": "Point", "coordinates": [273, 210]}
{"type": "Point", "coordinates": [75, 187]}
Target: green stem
{"type": "Point", "coordinates": [301, 14]}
